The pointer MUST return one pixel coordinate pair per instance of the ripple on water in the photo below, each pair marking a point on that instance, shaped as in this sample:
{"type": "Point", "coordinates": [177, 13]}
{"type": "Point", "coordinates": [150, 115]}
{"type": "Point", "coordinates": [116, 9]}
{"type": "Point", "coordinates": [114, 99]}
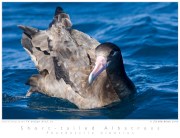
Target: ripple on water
{"type": "Point", "coordinates": [147, 34]}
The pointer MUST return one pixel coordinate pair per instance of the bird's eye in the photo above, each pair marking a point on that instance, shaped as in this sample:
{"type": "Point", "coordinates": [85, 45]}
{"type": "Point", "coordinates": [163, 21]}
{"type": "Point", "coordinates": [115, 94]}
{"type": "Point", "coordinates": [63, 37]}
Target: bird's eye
{"type": "Point", "coordinates": [112, 52]}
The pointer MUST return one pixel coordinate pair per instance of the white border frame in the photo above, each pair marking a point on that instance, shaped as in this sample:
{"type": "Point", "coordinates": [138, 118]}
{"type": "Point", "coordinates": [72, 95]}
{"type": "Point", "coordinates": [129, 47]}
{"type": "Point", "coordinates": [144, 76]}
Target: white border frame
{"type": "Point", "coordinates": [88, 128]}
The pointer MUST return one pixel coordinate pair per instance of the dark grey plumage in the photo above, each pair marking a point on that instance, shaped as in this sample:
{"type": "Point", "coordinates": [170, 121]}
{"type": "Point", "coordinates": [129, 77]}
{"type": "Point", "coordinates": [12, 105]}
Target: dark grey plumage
{"type": "Point", "coordinates": [64, 58]}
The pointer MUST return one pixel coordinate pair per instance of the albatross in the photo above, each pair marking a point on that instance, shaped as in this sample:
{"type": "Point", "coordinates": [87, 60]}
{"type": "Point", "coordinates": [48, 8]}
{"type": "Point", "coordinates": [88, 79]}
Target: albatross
{"type": "Point", "coordinates": [74, 66]}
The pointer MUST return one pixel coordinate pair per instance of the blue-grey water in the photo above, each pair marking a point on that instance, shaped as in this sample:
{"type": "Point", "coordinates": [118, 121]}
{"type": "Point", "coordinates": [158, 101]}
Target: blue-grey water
{"type": "Point", "coordinates": [147, 34]}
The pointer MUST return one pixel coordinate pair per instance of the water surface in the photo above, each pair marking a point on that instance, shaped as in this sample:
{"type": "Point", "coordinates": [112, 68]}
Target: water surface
{"type": "Point", "coordinates": [147, 34]}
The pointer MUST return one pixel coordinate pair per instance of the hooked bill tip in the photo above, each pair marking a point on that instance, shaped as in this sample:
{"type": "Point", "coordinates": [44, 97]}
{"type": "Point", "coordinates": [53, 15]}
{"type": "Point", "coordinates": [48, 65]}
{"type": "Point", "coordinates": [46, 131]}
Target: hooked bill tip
{"type": "Point", "coordinates": [90, 79]}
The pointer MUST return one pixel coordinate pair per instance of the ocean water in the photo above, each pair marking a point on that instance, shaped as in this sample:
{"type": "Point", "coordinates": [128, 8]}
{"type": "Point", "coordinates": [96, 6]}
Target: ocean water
{"type": "Point", "coordinates": [147, 34]}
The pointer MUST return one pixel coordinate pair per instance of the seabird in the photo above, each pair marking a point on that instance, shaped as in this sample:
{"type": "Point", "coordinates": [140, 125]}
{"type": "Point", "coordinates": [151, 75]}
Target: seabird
{"type": "Point", "coordinates": [74, 66]}
{"type": "Point", "coordinates": [109, 58]}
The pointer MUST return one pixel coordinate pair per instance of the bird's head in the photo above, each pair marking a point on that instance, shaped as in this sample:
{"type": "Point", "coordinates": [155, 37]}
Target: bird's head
{"type": "Point", "coordinates": [107, 56]}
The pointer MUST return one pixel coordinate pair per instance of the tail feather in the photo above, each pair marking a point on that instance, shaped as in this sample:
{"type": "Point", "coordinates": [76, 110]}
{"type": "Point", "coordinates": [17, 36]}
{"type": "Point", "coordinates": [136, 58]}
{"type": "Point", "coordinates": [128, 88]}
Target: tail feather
{"type": "Point", "coordinates": [33, 80]}
{"type": "Point", "coordinates": [30, 31]}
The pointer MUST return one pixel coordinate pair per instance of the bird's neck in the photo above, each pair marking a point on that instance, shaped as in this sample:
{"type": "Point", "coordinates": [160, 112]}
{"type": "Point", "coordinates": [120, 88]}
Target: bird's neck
{"type": "Point", "coordinates": [102, 90]}
{"type": "Point", "coordinates": [121, 84]}
{"type": "Point", "coordinates": [119, 79]}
